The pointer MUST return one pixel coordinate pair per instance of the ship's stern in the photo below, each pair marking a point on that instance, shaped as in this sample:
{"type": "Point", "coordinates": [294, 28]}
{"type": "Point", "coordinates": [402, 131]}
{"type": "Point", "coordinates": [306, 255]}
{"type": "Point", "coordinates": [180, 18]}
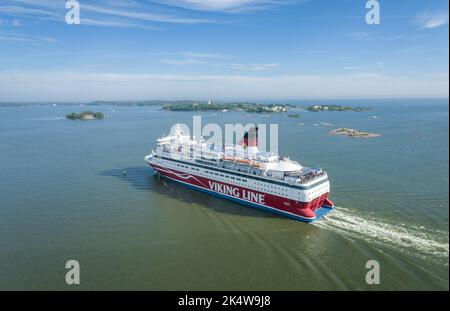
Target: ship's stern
{"type": "Point", "coordinates": [314, 203]}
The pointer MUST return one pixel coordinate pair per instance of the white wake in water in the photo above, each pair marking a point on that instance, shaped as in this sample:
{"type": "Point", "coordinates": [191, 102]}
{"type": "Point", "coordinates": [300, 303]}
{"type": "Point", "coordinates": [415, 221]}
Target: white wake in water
{"type": "Point", "coordinates": [420, 241]}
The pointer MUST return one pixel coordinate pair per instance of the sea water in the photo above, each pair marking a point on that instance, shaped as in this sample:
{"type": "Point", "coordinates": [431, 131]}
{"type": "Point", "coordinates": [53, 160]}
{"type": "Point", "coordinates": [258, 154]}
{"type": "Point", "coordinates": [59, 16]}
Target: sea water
{"type": "Point", "coordinates": [64, 196]}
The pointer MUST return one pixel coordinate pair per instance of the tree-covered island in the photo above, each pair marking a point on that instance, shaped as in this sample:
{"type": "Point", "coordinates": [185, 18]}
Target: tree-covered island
{"type": "Point", "coordinates": [85, 115]}
{"type": "Point", "coordinates": [194, 105]}
{"type": "Point", "coordinates": [318, 108]}
{"type": "Point", "coordinates": [208, 106]}
{"type": "Point", "coordinates": [132, 103]}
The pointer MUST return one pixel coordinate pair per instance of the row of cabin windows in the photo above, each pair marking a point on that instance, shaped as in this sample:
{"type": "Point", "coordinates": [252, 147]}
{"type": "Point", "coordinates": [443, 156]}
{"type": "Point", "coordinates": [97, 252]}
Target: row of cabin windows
{"type": "Point", "coordinates": [274, 189]}
{"type": "Point", "coordinates": [318, 190]}
{"type": "Point", "coordinates": [192, 168]}
{"type": "Point", "coordinates": [279, 188]}
{"type": "Point", "coordinates": [280, 192]}
{"type": "Point", "coordinates": [226, 176]}
{"type": "Point", "coordinates": [239, 179]}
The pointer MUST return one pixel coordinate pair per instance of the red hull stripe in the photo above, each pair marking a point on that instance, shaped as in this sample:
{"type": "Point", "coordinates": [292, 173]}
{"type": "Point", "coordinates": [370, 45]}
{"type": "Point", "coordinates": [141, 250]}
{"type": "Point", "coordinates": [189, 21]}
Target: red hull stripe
{"type": "Point", "coordinates": [245, 195]}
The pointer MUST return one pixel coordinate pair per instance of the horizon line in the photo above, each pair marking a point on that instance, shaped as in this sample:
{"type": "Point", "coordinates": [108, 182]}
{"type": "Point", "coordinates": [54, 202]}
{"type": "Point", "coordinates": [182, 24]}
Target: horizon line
{"type": "Point", "coordinates": [64, 102]}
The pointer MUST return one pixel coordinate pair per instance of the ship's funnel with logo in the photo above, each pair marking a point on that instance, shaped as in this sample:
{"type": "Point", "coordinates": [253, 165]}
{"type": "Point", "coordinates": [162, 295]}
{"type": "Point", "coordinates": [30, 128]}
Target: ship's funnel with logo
{"type": "Point", "coordinates": [250, 141]}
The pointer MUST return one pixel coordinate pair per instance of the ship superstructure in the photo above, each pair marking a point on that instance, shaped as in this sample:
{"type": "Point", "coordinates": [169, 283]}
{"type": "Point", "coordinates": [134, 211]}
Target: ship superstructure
{"type": "Point", "coordinates": [244, 174]}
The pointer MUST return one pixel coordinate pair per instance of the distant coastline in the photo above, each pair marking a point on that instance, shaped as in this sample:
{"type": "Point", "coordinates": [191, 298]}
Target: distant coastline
{"type": "Point", "coordinates": [308, 105]}
{"type": "Point", "coordinates": [193, 105]}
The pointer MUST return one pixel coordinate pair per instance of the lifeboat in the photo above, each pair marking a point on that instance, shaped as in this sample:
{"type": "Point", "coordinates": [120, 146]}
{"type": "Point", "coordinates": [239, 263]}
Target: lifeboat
{"type": "Point", "coordinates": [245, 161]}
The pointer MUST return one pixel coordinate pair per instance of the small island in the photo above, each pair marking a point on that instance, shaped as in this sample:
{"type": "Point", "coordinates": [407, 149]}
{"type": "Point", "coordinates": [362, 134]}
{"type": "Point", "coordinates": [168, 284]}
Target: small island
{"type": "Point", "coordinates": [294, 116]}
{"type": "Point", "coordinates": [319, 108]}
{"type": "Point", "coordinates": [85, 115]}
{"type": "Point", "coordinates": [209, 106]}
{"type": "Point", "coordinates": [352, 133]}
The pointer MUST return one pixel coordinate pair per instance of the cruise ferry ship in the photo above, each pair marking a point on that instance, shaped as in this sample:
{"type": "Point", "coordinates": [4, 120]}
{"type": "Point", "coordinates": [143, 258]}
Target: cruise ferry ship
{"type": "Point", "coordinates": [244, 174]}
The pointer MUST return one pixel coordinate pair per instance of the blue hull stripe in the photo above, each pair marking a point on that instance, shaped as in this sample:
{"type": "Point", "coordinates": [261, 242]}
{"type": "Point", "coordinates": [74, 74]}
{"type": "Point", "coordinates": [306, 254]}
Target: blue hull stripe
{"type": "Point", "coordinates": [320, 212]}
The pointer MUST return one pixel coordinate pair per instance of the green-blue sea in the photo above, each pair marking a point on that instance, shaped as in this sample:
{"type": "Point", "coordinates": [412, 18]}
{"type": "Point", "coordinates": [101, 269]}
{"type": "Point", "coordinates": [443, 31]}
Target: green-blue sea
{"type": "Point", "coordinates": [64, 195]}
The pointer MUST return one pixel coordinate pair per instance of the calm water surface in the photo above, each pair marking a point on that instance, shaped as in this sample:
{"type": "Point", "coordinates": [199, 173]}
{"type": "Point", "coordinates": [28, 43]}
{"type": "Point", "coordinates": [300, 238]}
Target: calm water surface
{"type": "Point", "coordinates": [63, 196]}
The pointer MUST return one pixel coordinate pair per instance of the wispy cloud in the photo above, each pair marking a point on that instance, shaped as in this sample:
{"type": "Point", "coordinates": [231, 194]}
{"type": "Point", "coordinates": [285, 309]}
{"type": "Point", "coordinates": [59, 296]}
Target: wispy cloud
{"type": "Point", "coordinates": [369, 67]}
{"type": "Point", "coordinates": [108, 22]}
{"type": "Point", "coordinates": [144, 16]}
{"type": "Point", "coordinates": [216, 60]}
{"type": "Point", "coordinates": [16, 22]}
{"type": "Point", "coordinates": [380, 64]}
{"type": "Point", "coordinates": [203, 55]}
{"type": "Point", "coordinates": [429, 20]}
{"type": "Point", "coordinates": [186, 61]}
{"type": "Point", "coordinates": [26, 11]}
{"type": "Point", "coordinates": [133, 13]}
{"type": "Point", "coordinates": [11, 22]}
{"type": "Point", "coordinates": [192, 58]}
{"type": "Point", "coordinates": [354, 68]}
{"type": "Point", "coordinates": [230, 6]}
{"type": "Point", "coordinates": [121, 3]}
{"type": "Point", "coordinates": [21, 38]}
{"type": "Point", "coordinates": [253, 67]}
{"type": "Point", "coordinates": [113, 13]}
{"type": "Point", "coordinates": [369, 36]}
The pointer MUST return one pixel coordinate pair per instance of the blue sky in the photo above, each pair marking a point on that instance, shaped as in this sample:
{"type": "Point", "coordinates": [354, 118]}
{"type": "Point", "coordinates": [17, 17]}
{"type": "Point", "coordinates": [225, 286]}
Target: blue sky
{"type": "Point", "coordinates": [223, 49]}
